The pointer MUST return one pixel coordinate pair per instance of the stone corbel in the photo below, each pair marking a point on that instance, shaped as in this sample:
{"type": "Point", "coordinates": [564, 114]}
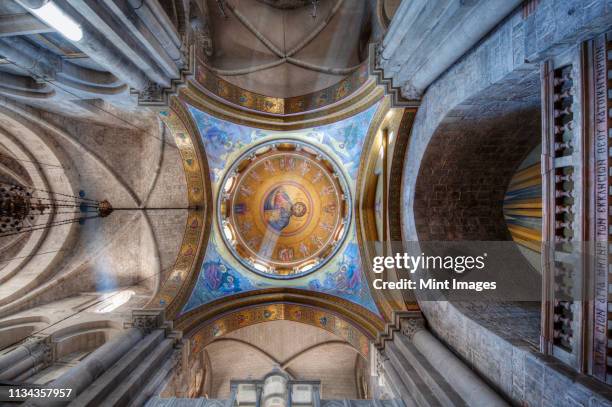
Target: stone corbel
{"type": "Point", "coordinates": [411, 325]}
{"type": "Point", "coordinates": [406, 322]}
{"type": "Point", "coordinates": [410, 92]}
{"type": "Point", "coordinates": [156, 95]}
{"type": "Point", "coordinates": [152, 94]}
{"type": "Point", "coordinates": [398, 99]}
{"type": "Point", "coordinates": [43, 344]}
{"type": "Point", "coordinates": [148, 320]}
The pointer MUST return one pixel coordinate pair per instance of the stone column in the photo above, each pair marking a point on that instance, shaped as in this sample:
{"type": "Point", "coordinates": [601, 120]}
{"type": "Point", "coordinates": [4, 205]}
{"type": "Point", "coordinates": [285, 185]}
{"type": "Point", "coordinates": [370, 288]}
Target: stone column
{"type": "Point", "coordinates": [468, 384]}
{"type": "Point", "coordinates": [445, 29]}
{"type": "Point", "coordinates": [258, 395]}
{"type": "Point", "coordinates": [316, 395]}
{"type": "Point", "coordinates": [20, 352]}
{"type": "Point", "coordinates": [97, 362]}
{"type": "Point", "coordinates": [81, 376]}
{"type": "Point", "coordinates": [394, 381]}
{"type": "Point", "coordinates": [419, 365]}
{"type": "Point", "coordinates": [33, 352]}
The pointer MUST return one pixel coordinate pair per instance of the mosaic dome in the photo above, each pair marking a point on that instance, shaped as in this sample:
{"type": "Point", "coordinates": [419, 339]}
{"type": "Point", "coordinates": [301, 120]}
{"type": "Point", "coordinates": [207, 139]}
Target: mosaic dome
{"type": "Point", "coordinates": [284, 209]}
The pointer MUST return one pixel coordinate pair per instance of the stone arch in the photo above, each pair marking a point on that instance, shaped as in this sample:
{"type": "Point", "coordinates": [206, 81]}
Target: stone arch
{"type": "Point", "coordinates": [28, 144]}
{"type": "Point", "coordinates": [250, 342]}
{"type": "Point", "coordinates": [84, 337]}
{"type": "Point", "coordinates": [464, 172]}
{"type": "Point", "coordinates": [469, 161]}
{"type": "Point", "coordinates": [475, 126]}
{"type": "Point", "coordinates": [205, 333]}
{"type": "Point", "coordinates": [320, 309]}
{"type": "Point", "coordinates": [177, 283]}
{"type": "Point", "coordinates": [346, 326]}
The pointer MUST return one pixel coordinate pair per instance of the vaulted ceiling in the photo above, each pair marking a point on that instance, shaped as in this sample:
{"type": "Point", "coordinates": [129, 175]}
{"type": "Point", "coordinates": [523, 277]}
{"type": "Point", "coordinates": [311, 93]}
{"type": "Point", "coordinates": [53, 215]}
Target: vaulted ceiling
{"type": "Point", "coordinates": [289, 48]}
{"type": "Point", "coordinates": [83, 116]}
{"type": "Point", "coordinates": [305, 352]}
{"type": "Point", "coordinates": [226, 271]}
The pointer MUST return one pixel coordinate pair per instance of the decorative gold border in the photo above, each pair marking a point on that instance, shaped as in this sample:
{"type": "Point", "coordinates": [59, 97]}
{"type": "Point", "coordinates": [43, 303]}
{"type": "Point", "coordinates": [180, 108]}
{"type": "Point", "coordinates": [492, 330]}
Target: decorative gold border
{"type": "Point", "coordinates": [364, 223]}
{"type": "Point", "coordinates": [364, 320]}
{"type": "Point", "coordinates": [318, 157]}
{"type": "Point", "coordinates": [283, 311]}
{"type": "Point", "coordinates": [369, 146]}
{"type": "Point", "coordinates": [210, 83]}
{"type": "Point", "coordinates": [357, 102]}
{"type": "Point", "coordinates": [179, 283]}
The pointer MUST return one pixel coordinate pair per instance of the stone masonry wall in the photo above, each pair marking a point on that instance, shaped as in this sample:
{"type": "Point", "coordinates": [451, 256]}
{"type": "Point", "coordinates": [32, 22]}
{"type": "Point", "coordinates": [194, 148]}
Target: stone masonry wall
{"type": "Point", "coordinates": [508, 58]}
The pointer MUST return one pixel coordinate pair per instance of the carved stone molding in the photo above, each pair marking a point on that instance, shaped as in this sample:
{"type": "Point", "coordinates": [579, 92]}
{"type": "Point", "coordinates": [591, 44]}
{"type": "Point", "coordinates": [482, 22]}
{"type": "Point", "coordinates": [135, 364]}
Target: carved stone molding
{"type": "Point", "coordinates": [33, 342]}
{"type": "Point", "coordinates": [43, 346]}
{"type": "Point", "coordinates": [410, 326]}
{"type": "Point", "coordinates": [396, 94]}
{"type": "Point", "coordinates": [147, 320]}
{"type": "Point", "coordinates": [177, 286]}
{"type": "Point", "coordinates": [152, 94]}
{"type": "Point", "coordinates": [155, 95]}
{"type": "Point", "coordinates": [406, 323]}
{"type": "Point", "coordinates": [201, 329]}
{"type": "Point", "coordinates": [178, 359]}
{"type": "Point", "coordinates": [381, 358]}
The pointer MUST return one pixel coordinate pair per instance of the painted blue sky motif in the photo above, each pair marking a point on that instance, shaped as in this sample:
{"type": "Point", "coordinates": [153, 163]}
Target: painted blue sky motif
{"type": "Point", "coordinates": [222, 138]}
{"type": "Point", "coordinates": [346, 280]}
{"type": "Point", "coordinates": [222, 275]}
{"type": "Point", "coordinates": [346, 138]}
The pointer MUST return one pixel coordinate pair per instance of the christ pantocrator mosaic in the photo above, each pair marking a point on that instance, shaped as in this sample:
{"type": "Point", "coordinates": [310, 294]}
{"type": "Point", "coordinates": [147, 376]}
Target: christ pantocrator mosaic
{"type": "Point", "coordinates": [284, 209]}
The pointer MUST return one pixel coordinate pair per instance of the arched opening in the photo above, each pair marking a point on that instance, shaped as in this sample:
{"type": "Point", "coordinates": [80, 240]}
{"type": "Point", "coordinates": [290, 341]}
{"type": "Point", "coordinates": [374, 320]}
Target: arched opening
{"type": "Point", "coordinates": [472, 163]}
{"type": "Point", "coordinates": [14, 330]}
{"type": "Point", "coordinates": [302, 351]}
{"type": "Point", "coordinates": [305, 342]}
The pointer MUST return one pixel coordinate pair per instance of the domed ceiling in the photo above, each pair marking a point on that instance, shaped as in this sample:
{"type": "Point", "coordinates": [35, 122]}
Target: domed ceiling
{"type": "Point", "coordinates": [283, 205]}
{"type": "Point", "coordinates": [284, 208]}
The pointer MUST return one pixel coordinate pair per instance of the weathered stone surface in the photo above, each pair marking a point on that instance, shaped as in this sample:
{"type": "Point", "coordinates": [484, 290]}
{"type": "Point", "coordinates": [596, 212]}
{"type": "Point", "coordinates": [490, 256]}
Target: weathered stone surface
{"type": "Point", "coordinates": [494, 87]}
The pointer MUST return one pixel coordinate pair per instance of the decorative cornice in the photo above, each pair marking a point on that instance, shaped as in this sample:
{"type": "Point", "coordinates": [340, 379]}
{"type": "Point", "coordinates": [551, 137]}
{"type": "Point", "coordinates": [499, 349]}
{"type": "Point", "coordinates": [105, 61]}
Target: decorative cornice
{"type": "Point", "coordinates": [376, 70]}
{"type": "Point", "coordinates": [176, 288]}
{"type": "Point", "coordinates": [155, 95]}
{"type": "Point", "coordinates": [406, 322]}
{"type": "Point", "coordinates": [357, 102]}
{"type": "Point", "coordinates": [363, 319]}
{"type": "Point", "coordinates": [220, 325]}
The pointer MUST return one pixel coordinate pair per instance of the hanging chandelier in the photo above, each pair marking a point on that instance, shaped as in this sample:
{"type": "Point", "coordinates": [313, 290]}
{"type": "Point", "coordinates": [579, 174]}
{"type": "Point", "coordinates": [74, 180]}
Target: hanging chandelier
{"type": "Point", "coordinates": [24, 209]}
